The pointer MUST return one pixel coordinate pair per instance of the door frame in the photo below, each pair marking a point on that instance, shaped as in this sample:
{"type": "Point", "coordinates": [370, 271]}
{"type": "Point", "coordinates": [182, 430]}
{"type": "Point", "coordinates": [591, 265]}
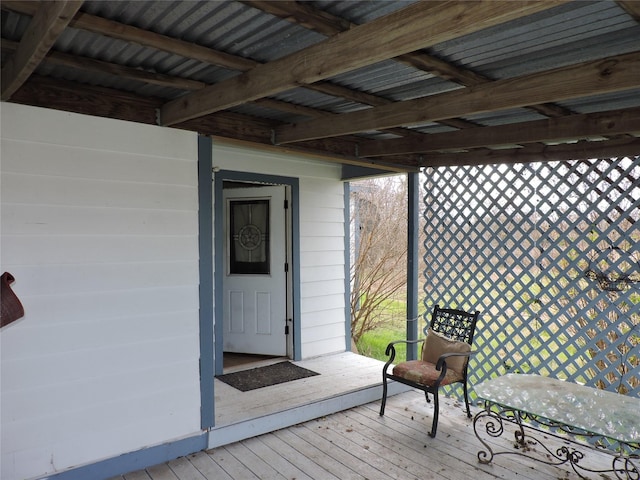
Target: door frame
{"type": "Point", "coordinates": [275, 284]}
{"type": "Point", "coordinates": [219, 255]}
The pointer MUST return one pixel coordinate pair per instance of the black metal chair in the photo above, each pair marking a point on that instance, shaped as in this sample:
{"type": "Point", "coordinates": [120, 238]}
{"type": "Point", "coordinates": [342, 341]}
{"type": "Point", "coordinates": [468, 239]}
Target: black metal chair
{"type": "Point", "coordinates": [444, 359]}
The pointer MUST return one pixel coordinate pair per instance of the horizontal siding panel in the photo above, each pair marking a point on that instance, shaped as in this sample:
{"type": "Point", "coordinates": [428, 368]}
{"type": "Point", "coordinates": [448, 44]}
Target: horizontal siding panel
{"type": "Point", "coordinates": [320, 259]}
{"type": "Point", "coordinates": [323, 272]}
{"type": "Point", "coordinates": [76, 249]}
{"type": "Point", "coordinates": [82, 364]}
{"type": "Point", "coordinates": [322, 229]}
{"type": "Point", "coordinates": [92, 394]}
{"type": "Point", "coordinates": [320, 288]}
{"type": "Point", "coordinates": [85, 278]}
{"type": "Point", "coordinates": [25, 219]}
{"type": "Point", "coordinates": [321, 304]}
{"type": "Point", "coordinates": [323, 347]}
{"type": "Point", "coordinates": [91, 164]}
{"type": "Point", "coordinates": [319, 213]}
{"type": "Point", "coordinates": [326, 195]}
{"type": "Point", "coordinates": [325, 317]}
{"type": "Point", "coordinates": [325, 332]}
{"type": "Point", "coordinates": [315, 244]}
{"type": "Point", "coordinates": [140, 422]}
{"type": "Point", "coordinates": [87, 307]}
{"type": "Point", "coordinates": [39, 125]}
{"type": "Point", "coordinates": [51, 339]}
{"type": "Point", "coordinates": [42, 190]}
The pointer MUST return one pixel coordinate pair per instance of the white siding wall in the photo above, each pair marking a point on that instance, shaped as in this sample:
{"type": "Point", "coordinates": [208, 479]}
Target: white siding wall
{"type": "Point", "coordinates": [321, 240]}
{"type": "Point", "coordinates": [99, 227]}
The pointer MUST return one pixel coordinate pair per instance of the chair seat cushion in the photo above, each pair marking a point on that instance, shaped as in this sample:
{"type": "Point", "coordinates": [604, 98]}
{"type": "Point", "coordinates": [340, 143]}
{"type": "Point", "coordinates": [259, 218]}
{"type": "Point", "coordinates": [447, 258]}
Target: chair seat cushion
{"type": "Point", "coordinates": [424, 373]}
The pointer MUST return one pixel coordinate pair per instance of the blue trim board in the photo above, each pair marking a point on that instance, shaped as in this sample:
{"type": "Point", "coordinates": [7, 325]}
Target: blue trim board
{"type": "Point", "coordinates": [347, 265]}
{"type": "Point", "coordinates": [249, 177]}
{"type": "Point", "coordinates": [205, 247]}
{"type": "Point", "coordinates": [413, 222]}
{"type": "Point", "coordinates": [138, 460]}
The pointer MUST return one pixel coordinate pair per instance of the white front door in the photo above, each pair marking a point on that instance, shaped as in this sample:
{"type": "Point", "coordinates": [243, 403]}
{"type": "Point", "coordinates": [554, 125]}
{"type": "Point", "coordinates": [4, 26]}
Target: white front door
{"type": "Point", "coordinates": [255, 248]}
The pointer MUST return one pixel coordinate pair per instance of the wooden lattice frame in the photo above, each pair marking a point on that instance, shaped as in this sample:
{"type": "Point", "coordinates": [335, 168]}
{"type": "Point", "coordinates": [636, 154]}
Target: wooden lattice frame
{"type": "Point", "coordinates": [515, 241]}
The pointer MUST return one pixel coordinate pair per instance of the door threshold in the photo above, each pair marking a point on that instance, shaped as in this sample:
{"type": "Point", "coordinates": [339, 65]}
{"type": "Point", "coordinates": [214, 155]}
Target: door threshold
{"type": "Point", "coordinates": [236, 362]}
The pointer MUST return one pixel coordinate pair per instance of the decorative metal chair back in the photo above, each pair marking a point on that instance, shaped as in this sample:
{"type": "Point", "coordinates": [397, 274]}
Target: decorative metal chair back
{"type": "Point", "coordinates": [455, 324]}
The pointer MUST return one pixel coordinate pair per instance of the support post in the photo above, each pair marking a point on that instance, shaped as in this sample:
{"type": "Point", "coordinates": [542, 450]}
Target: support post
{"type": "Point", "coordinates": [413, 188]}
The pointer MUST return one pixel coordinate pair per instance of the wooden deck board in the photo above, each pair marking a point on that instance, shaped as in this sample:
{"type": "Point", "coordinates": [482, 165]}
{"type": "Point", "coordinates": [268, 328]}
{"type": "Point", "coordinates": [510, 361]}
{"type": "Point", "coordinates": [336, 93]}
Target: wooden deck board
{"type": "Point", "coordinates": [358, 444]}
{"type": "Point", "coordinates": [232, 405]}
{"type": "Point", "coordinates": [353, 444]}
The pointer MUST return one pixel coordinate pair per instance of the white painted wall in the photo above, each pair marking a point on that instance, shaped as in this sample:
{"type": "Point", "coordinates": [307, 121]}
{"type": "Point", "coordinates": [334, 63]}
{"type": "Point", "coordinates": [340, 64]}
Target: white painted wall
{"type": "Point", "coordinates": [321, 239]}
{"type": "Point", "coordinates": [99, 227]}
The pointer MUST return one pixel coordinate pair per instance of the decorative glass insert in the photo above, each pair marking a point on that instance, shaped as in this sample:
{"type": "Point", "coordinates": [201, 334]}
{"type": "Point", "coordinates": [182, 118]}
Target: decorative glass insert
{"type": "Point", "coordinates": [249, 237]}
{"type": "Point", "coordinates": [515, 242]}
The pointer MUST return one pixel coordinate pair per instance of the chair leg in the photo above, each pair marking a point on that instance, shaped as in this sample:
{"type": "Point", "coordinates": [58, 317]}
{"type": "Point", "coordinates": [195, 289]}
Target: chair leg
{"type": "Point", "coordinates": [384, 394]}
{"type": "Point", "coordinates": [466, 400]}
{"type": "Point", "coordinates": [434, 424]}
{"type": "Point", "coordinates": [426, 396]}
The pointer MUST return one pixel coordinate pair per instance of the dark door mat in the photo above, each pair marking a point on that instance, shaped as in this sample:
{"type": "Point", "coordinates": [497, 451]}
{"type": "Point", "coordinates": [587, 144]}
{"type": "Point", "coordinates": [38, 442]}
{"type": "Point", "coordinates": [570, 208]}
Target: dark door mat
{"type": "Point", "coordinates": [260, 377]}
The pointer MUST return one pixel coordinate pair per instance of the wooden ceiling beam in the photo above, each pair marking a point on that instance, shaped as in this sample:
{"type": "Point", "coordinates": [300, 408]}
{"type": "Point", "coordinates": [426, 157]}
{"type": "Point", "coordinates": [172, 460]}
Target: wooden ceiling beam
{"type": "Point", "coordinates": [412, 28]}
{"type": "Point", "coordinates": [323, 22]}
{"type": "Point", "coordinates": [106, 102]}
{"type": "Point", "coordinates": [128, 33]}
{"type": "Point", "coordinates": [590, 78]}
{"type": "Point", "coordinates": [574, 127]}
{"type": "Point", "coordinates": [154, 40]}
{"type": "Point", "coordinates": [68, 96]}
{"type": "Point", "coordinates": [43, 30]}
{"type": "Point", "coordinates": [624, 147]}
{"type": "Point", "coordinates": [632, 7]}
{"type": "Point", "coordinates": [87, 64]}
{"type": "Point", "coordinates": [304, 14]}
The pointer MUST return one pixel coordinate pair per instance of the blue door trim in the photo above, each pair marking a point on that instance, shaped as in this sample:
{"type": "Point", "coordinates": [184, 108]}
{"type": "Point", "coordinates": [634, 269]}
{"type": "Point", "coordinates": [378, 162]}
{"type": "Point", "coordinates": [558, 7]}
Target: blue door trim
{"type": "Point", "coordinates": [218, 227]}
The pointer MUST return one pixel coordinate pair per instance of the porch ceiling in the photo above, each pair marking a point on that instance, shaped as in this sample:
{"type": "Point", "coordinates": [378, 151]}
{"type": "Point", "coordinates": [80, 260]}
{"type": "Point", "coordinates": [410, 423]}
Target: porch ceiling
{"type": "Point", "coordinates": [393, 85]}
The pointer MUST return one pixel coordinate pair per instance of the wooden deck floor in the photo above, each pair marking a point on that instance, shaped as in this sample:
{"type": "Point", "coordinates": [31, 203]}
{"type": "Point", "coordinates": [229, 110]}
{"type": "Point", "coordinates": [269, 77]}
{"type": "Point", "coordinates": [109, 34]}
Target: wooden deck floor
{"type": "Point", "coordinates": [340, 374]}
{"type": "Point", "coordinates": [359, 444]}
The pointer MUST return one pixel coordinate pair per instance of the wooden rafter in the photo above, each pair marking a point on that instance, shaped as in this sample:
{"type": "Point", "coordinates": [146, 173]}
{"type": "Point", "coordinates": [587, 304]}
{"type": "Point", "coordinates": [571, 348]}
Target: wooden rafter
{"type": "Point", "coordinates": [632, 7]}
{"type": "Point", "coordinates": [44, 29]}
{"type": "Point", "coordinates": [128, 33]}
{"type": "Point", "coordinates": [303, 14]}
{"type": "Point", "coordinates": [178, 47]}
{"type": "Point", "coordinates": [407, 30]}
{"type": "Point", "coordinates": [589, 78]}
{"type": "Point", "coordinates": [575, 151]}
{"type": "Point", "coordinates": [554, 129]}
{"type": "Point", "coordinates": [323, 22]}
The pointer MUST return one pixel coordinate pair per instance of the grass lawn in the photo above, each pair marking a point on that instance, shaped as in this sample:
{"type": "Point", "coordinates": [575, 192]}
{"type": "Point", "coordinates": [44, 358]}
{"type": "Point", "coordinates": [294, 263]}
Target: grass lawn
{"type": "Point", "coordinates": [374, 343]}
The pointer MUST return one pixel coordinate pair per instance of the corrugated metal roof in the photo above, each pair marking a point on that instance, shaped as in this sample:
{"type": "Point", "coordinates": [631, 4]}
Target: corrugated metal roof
{"type": "Point", "coordinates": [568, 34]}
{"type": "Point", "coordinates": [564, 35]}
{"type": "Point", "coordinates": [360, 12]}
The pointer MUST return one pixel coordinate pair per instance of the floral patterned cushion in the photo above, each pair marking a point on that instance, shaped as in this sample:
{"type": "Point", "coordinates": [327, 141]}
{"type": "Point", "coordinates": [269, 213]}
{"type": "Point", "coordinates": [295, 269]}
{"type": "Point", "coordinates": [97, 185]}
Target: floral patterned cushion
{"type": "Point", "coordinates": [424, 373]}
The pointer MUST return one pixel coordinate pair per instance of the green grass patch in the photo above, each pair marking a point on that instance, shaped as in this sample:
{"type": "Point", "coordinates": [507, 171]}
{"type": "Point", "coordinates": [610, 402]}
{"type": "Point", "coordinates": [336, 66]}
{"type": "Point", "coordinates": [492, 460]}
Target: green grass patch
{"type": "Point", "coordinates": [374, 343]}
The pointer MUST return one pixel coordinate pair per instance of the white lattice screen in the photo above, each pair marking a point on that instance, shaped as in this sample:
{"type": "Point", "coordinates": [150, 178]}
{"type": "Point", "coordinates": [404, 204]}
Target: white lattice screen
{"type": "Point", "coordinates": [515, 241]}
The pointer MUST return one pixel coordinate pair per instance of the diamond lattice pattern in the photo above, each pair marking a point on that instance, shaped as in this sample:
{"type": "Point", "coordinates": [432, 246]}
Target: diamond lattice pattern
{"type": "Point", "coordinates": [515, 241]}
